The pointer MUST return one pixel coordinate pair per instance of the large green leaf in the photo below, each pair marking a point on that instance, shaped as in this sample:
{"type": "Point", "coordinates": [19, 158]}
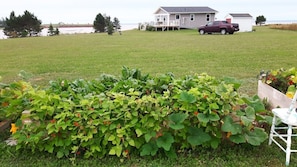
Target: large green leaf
{"type": "Point", "coordinates": [255, 102]}
{"type": "Point", "coordinates": [249, 118]}
{"type": "Point", "coordinates": [197, 136]}
{"type": "Point", "coordinates": [171, 153]}
{"type": "Point", "coordinates": [116, 150]}
{"type": "Point", "coordinates": [186, 97]}
{"type": "Point", "coordinates": [230, 126]}
{"type": "Point", "coordinates": [149, 135]}
{"type": "Point", "coordinates": [235, 82]}
{"type": "Point", "coordinates": [214, 106]}
{"type": "Point", "coordinates": [239, 138]}
{"type": "Point", "coordinates": [208, 117]}
{"type": "Point", "coordinates": [256, 137]}
{"type": "Point", "coordinates": [176, 120]}
{"type": "Point", "coordinates": [165, 141]}
{"type": "Point", "coordinates": [149, 149]}
{"type": "Point", "coordinates": [215, 142]}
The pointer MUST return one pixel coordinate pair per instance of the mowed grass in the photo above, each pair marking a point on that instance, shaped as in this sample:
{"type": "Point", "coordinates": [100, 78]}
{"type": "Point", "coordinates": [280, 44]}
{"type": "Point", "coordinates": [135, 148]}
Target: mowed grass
{"type": "Point", "coordinates": [242, 55]}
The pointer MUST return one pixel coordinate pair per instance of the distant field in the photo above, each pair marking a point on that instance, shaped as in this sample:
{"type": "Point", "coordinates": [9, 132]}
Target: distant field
{"type": "Point", "coordinates": [184, 52]}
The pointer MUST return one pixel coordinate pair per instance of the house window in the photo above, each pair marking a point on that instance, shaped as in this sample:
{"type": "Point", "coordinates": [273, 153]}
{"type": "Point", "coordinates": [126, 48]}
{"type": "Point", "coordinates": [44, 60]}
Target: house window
{"type": "Point", "coordinates": [208, 17]}
{"type": "Point", "coordinates": [177, 17]}
{"type": "Point", "coordinates": [192, 17]}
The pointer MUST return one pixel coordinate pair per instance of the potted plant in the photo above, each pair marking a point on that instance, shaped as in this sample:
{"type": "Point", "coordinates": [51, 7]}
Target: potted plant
{"type": "Point", "coordinates": [278, 86]}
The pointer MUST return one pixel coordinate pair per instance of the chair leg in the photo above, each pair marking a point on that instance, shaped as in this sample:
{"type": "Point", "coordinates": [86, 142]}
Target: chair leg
{"type": "Point", "coordinates": [271, 130]}
{"type": "Point", "coordinates": [288, 150]}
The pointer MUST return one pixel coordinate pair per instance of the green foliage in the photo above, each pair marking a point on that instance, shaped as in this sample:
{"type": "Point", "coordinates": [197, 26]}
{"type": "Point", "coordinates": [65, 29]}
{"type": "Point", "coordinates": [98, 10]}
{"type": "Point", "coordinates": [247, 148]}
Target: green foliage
{"type": "Point", "coordinates": [105, 24]}
{"type": "Point", "coordinates": [116, 23]}
{"type": "Point", "coordinates": [110, 29]}
{"type": "Point", "coordinates": [99, 23]}
{"type": "Point", "coordinates": [260, 20]}
{"type": "Point", "coordinates": [149, 28]}
{"type": "Point", "coordinates": [22, 25]}
{"type": "Point", "coordinates": [132, 113]}
{"type": "Point", "coordinates": [52, 31]}
{"type": "Point", "coordinates": [14, 99]}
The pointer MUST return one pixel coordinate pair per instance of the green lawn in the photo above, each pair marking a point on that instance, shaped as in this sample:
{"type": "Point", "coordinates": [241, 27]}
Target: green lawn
{"type": "Point", "coordinates": [241, 55]}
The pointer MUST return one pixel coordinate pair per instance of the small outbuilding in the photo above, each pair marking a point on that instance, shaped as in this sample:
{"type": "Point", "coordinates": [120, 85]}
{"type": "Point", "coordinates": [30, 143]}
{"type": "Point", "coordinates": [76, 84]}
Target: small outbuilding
{"type": "Point", "coordinates": [244, 20]}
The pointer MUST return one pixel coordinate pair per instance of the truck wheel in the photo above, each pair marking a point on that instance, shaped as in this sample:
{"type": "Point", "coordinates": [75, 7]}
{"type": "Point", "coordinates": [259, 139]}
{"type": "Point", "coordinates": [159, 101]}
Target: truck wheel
{"type": "Point", "coordinates": [223, 31]}
{"type": "Point", "coordinates": [201, 32]}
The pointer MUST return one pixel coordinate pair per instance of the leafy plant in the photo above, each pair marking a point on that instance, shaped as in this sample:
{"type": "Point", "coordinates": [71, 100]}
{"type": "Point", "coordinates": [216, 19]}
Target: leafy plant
{"type": "Point", "coordinates": [136, 113]}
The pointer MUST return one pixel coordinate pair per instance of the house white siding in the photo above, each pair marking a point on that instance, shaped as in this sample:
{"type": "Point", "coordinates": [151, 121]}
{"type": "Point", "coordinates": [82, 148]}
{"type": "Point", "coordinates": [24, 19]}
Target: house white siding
{"type": "Point", "coordinates": [245, 22]}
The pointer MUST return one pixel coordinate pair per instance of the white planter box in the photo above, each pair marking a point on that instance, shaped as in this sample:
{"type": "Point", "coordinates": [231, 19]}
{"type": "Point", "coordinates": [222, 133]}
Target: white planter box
{"type": "Point", "coordinates": [274, 97]}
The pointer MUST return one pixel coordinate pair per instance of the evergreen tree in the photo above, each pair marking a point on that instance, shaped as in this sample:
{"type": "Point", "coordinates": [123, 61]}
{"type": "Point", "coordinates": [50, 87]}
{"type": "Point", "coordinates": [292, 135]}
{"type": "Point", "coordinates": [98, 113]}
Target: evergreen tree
{"type": "Point", "coordinates": [110, 28]}
{"type": "Point", "coordinates": [260, 20]}
{"type": "Point", "coordinates": [57, 32]}
{"type": "Point", "coordinates": [22, 26]}
{"type": "Point", "coordinates": [109, 25]}
{"type": "Point", "coordinates": [51, 30]}
{"type": "Point", "coordinates": [99, 23]}
{"type": "Point", "coordinates": [116, 23]}
{"type": "Point", "coordinates": [2, 22]}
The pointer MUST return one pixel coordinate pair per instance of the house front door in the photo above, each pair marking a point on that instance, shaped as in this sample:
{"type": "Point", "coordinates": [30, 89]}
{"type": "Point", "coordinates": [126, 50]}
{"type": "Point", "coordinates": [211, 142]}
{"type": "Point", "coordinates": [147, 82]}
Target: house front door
{"type": "Point", "coordinates": [185, 22]}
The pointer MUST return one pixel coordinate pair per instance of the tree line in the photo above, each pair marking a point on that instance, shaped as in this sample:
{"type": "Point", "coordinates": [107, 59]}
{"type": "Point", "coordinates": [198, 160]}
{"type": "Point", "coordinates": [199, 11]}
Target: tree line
{"type": "Point", "coordinates": [28, 25]}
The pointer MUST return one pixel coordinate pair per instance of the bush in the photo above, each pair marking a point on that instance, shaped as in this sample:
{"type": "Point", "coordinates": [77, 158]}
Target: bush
{"type": "Point", "coordinates": [150, 28]}
{"type": "Point", "coordinates": [139, 113]}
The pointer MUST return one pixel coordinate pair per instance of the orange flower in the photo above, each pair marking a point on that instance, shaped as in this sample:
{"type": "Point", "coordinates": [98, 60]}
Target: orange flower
{"type": "Point", "coordinates": [196, 113]}
{"type": "Point", "coordinates": [13, 129]}
{"type": "Point", "coordinates": [228, 135]}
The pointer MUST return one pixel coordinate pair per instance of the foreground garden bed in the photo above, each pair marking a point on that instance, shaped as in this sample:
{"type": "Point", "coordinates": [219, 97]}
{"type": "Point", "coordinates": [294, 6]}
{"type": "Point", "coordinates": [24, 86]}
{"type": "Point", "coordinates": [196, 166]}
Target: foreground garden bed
{"type": "Point", "coordinates": [274, 97]}
{"type": "Point", "coordinates": [277, 87]}
{"type": "Point", "coordinates": [132, 113]}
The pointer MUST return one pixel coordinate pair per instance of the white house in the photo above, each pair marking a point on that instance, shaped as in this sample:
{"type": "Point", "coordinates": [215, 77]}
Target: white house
{"type": "Point", "coordinates": [183, 17]}
{"type": "Point", "coordinates": [244, 20]}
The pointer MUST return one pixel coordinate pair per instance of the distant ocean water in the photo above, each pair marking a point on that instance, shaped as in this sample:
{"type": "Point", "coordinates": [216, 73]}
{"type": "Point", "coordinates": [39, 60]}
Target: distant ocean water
{"type": "Point", "coordinates": [281, 22]}
{"type": "Point", "coordinates": [76, 30]}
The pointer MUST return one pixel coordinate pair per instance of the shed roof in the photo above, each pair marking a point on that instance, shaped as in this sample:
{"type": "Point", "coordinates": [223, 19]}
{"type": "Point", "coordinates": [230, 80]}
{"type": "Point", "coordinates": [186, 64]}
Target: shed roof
{"type": "Point", "coordinates": [240, 15]}
{"type": "Point", "coordinates": [197, 9]}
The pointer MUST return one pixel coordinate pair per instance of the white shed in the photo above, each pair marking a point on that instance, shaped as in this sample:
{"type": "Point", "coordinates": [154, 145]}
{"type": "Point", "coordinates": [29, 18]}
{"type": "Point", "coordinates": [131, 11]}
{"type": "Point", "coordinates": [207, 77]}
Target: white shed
{"type": "Point", "coordinates": [244, 20]}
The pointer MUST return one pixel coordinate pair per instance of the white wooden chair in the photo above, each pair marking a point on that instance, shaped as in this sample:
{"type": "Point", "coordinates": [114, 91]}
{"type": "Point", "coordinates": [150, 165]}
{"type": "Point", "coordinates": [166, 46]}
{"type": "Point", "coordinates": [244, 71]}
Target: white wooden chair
{"type": "Point", "coordinates": [288, 117]}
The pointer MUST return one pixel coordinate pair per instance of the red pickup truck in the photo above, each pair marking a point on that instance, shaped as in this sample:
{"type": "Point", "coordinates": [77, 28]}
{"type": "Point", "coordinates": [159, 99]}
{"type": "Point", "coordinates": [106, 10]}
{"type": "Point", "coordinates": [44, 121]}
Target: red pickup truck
{"type": "Point", "coordinates": [222, 27]}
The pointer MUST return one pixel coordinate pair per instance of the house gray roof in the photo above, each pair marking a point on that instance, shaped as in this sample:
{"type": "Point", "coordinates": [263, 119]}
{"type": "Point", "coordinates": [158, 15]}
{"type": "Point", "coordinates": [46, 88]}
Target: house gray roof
{"type": "Point", "coordinates": [240, 15]}
{"type": "Point", "coordinates": [201, 9]}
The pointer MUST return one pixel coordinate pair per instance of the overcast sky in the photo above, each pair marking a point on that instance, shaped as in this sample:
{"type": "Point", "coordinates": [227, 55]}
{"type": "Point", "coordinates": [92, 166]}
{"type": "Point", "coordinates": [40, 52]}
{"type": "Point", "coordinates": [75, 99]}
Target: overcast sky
{"type": "Point", "coordinates": [136, 11]}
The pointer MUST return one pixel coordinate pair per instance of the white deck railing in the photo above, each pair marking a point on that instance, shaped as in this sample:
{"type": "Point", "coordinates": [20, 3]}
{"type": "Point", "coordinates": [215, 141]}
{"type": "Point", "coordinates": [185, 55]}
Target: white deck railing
{"type": "Point", "coordinates": [166, 24]}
